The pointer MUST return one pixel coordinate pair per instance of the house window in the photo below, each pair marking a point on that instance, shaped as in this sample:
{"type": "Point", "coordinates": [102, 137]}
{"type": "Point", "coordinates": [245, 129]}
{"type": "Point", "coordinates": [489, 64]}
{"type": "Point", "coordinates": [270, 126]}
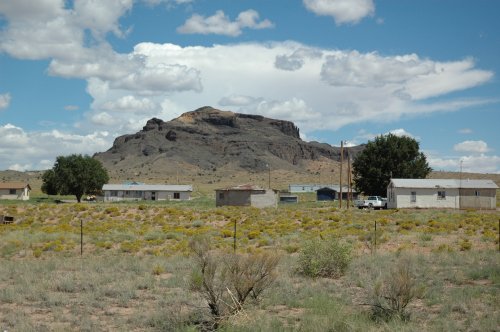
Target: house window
{"type": "Point", "coordinates": [177, 195]}
{"type": "Point", "coordinates": [413, 197]}
{"type": "Point", "coordinates": [441, 195]}
{"type": "Point", "coordinates": [477, 193]}
{"type": "Point", "coordinates": [221, 195]}
{"type": "Point", "coordinates": [114, 193]}
{"type": "Point", "coordinates": [12, 191]}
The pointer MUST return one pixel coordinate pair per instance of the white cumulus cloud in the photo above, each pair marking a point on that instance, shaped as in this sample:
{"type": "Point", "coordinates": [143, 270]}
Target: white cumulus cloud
{"type": "Point", "coordinates": [445, 78]}
{"type": "Point", "coordinates": [4, 100]}
{"type": "Point", "coordinates": [297, 59]}
{"type": "Point", "coordinates": [71, 107]}
{"type": "Point", "coordinates": [474, 157]}
{"type": "Point", "coordinates": [101, 16]}
{"type": "Point", "coordinates": [465, 131]}
{"type": "Point", "coordinates": [221, 24]}
{"type": "Point", "coordinates": [238, 100]}
{"type": "Point", "coordinates": [129, 104]}
{"type": "Point", "coordinates": [469, 163]}
{"type": "Point", "coordinates": [103, 118]}
{"type": "Point", "coordinates": [22, 150]}
{"type": "Point", "coordinates": [402, 132]}
{"type": "Point", "coordinates": [472, 147]}
{"type": "Point", "coordinates": [371, 69]}
{"type": "Point", "coordinates": [294, 109]}
{"type": "Point", "coordinates": [169, 3]}
{"type": "Point", "coordinates": [161, 77]}
{"type": "Point", "coordinates": [342, 11]}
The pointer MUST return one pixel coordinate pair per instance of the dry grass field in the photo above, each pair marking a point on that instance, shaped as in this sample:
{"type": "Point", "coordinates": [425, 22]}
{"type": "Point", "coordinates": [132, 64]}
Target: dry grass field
{"type": "Point", "coordinates": [137, 268]}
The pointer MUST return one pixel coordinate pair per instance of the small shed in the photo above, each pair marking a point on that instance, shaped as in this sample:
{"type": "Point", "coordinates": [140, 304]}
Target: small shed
{"type": "Point", "coordinates": [246, 195]}
{"type": "Point", "coordinates": [149, 192]}
{"type": "Point", "coordinates": [15, 190]}
{"type": "Point", "coordinates": [288, 198]}
{"type": "Point", "coordinates": [326, 194]}
{"type": "Point", "coordinates": [441, 193]}
{"type": "Point", "coordinates": [6, 219]}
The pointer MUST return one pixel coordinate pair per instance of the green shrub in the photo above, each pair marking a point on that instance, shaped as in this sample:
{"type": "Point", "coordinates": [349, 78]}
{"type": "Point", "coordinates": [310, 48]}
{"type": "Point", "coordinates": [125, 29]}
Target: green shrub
{"type": "Point", "coordinates": [394, 291]}
{"type": "Point", "coordinates": [443, 248]}
{"type": "Point", "coordinates": [158, 269]}
{"type": "Point", "coordinates": [324, 258]}
{"type": "Point", "coordinates": [225, 281]}
{"type": "Point", "coordinates": [197, 223]}
{"type": "Point", "coordinates": [465, 245]}
{"type": "Point", "coordinates": [253, 234]}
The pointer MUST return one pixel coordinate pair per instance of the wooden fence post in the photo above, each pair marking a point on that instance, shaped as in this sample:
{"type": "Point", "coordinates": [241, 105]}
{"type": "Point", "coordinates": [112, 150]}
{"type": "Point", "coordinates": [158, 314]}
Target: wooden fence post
{"type": "Point", "coordinates": [81, 237]}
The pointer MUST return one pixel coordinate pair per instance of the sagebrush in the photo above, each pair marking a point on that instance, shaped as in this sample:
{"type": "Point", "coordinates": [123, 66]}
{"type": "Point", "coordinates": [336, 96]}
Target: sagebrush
{"type": "Point", "coordinates": [324, 258]}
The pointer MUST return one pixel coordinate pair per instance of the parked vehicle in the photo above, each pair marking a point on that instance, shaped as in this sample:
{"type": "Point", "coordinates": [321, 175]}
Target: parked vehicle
{"type": "Point", "coordinates": [372, 202]}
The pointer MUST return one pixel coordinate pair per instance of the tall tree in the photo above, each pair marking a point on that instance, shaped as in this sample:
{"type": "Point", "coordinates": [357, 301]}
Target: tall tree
{"type": "Point", "coordinates": [388, 156]}
{"type": "Point", "coordinates": [75, 175]}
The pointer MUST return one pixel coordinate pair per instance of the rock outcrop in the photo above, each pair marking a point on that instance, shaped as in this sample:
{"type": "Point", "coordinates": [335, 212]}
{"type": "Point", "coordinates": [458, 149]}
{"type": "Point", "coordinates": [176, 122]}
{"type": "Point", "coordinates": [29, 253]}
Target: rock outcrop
{"type": "Point", "coordinates": [208, 138]}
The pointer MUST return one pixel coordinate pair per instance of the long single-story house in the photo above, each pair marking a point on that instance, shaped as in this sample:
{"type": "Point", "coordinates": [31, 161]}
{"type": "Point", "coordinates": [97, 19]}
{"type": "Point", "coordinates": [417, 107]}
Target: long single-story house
{"type": "Point", "coordinates": [246, 195]}
{"type": "Point", "coordinates": [15, 190]}
{"type": "Point", "coordinates": [441, 193]}
{"type": "Point", "coordinates": [306, 188]}
{"type": "Point", "coordinates": [149, 192]}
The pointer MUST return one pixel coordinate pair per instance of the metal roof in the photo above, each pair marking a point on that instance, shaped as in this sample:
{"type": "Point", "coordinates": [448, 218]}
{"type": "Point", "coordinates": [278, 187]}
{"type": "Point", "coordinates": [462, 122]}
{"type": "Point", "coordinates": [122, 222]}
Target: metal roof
{"type": "Point", "coordinates": [14, 185]}
{"type": "Point", "coordinates": [444, 183]}
{"type": "Point", "coordinates": [335, 187]}
{"type": "Point", "coordinates": [147, 187]}
{"type": "Point", "coordinates": [244, 187]}
{"type": "Point", "coordinates": [485, 184]}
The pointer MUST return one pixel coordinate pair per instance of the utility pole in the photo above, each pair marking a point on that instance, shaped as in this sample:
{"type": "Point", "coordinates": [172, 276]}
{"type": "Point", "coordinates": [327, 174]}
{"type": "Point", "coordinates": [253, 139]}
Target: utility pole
{"type": "Point", "coordinates": [269, 176]}
{"type": "Point", "coordinates": [460, 185]}
{"type": "Point", "coordinates": [234, 236]}
{"type": "Point", "coordinates": [81, 237]}
{"type": "Point", "coordinates": [341, 163]}
{"type": "Point", "coordinates": [349, 194]}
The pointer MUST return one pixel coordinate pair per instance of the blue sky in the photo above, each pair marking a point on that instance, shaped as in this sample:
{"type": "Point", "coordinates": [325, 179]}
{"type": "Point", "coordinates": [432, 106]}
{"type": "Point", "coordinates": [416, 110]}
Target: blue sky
{"type": "Point", "coordinates": [76, 74]}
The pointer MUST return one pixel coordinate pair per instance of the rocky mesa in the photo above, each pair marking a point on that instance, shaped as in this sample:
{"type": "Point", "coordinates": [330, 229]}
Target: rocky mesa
{"type": "Point", "coordinates": [209, 139]}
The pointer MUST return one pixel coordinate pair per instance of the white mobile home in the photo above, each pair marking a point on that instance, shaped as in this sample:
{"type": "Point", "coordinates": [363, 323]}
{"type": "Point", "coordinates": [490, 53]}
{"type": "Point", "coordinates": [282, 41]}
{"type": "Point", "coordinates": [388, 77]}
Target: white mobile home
{"type": "Point", "coordinates": [150, 192]}
{"type": "Point", "coordinates": [441, 193]}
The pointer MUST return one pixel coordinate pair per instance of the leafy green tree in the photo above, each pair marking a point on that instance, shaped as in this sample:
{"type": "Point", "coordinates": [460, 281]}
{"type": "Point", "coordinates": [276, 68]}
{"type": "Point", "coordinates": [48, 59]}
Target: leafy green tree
{"type": "Point", "coordinates": [74, 175]}
{"type": "Point", "coordinates": [388, 156]}
{"type": "Point", "coordinates": [49, 183]}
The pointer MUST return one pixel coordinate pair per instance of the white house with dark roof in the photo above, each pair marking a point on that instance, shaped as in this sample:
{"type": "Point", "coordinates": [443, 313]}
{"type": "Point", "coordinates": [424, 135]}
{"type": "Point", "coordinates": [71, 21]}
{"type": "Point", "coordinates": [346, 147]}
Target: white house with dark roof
{"type": "Point", "coordinates": [150, 192]}
{"type": "Point", "coordinates": [441, 193]}
{"type": "Point", "coordinates": [15, 190]}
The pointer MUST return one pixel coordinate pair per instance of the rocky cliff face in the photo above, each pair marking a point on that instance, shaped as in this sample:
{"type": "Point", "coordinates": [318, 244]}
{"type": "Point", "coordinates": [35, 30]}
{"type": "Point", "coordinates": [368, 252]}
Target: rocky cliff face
{"type": "Point", "coordinates": [208, 138]}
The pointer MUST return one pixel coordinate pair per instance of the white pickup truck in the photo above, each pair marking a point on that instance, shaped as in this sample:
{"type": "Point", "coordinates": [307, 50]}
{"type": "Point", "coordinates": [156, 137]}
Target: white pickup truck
{"type": "Point", "coordinates": [372, 202]}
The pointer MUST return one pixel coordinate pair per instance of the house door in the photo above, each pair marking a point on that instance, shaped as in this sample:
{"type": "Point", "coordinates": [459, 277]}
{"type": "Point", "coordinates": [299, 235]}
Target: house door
{"type": "Point", "coordinates": [153, 196]}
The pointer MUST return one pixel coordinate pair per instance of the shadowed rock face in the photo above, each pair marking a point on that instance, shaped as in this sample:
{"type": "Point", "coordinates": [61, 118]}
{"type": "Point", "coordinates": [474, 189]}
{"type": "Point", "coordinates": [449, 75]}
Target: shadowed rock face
{"type": "Point", "coordinates": [208, 138]}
